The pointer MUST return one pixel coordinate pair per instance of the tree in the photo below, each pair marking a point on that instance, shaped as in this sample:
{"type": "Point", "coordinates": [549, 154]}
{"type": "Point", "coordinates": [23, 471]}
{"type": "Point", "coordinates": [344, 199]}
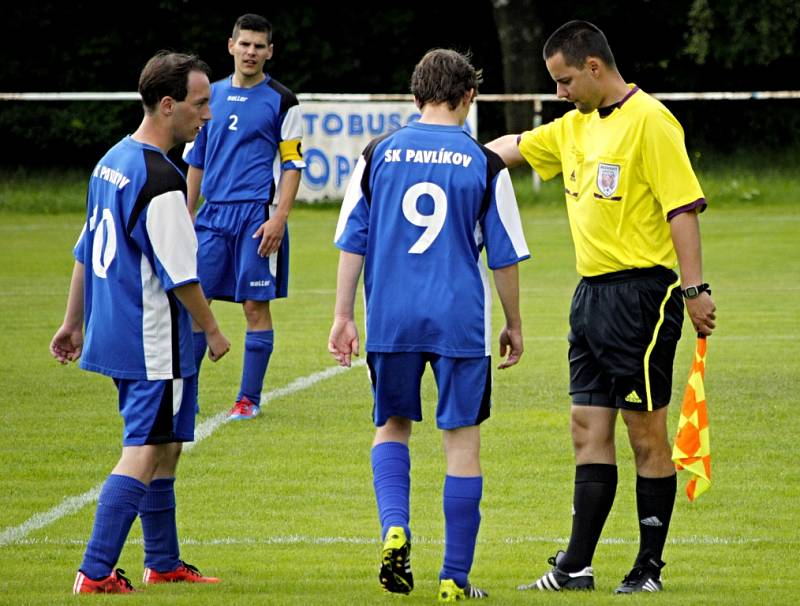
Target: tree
{"type": "Point", "coordinates": [742, 32]}
{"type": "Point", "coordinates": [521, 37]}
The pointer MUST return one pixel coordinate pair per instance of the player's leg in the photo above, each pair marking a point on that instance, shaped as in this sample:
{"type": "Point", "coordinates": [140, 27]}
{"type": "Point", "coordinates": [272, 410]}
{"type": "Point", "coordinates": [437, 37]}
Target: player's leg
{"type": "Point", "coordinates": [593, 418]}
{"type": "Point", "coordinates": [464, 386]}
{"type": "Point", "coordinates": [646, 420]}
{"type": "Point", "coordinates": [258, 281]}
{"type": "Point", "coordinates": [258, 346]}
{"type": "Point", "coordinates": [157, 509]}
{"type": "Point", "coordinates": [395, 381]}
{"type": "Point", "coordinates": [123, 490]}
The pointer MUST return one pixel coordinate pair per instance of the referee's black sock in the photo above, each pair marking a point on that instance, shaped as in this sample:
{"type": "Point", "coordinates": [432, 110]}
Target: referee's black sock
{"type": "Point", "coordinates": [595, 487]}
{"type": "Point", "coordinates": [655, 498]}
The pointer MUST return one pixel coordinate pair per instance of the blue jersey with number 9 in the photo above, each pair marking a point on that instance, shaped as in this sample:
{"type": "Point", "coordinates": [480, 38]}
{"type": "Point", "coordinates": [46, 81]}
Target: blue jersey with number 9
{"type": "Point", "coordinates": [421, 205]}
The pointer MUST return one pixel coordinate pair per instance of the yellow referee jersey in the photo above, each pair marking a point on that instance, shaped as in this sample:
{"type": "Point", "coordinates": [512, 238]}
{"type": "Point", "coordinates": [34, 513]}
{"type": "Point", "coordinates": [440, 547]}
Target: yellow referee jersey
{"type": "Point", "coordinates": [623, 174]}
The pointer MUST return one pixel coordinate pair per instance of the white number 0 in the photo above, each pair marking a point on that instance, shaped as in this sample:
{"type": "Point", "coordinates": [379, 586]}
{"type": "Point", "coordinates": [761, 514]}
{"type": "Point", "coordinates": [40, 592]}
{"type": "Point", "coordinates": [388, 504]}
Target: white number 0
{"type": "Point", "coordinates": [433, 222]}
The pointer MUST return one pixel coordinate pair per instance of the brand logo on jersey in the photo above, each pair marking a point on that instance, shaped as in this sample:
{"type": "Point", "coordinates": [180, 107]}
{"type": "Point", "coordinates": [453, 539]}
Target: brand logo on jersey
{"type": "Point", "coordinates": [237, 98]}
{"type": "Point", "coordinates": [607, 178]}
{"type": "Point", "coordinates": [572, 175]}
{"type": "Point", "coordinates": [633, 397]}
{"type": "Point", "coordinates": [259, 283]}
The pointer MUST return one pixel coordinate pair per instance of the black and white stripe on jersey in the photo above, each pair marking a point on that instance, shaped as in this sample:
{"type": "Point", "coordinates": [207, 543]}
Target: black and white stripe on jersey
{"type": "Point", "coordinates": [162, 177]}
{"type": "Point", "coordinates": [288, 98]}
{"type": "Point", "coordinates": [494, 165]}
{"type": "Point", "coordinates": [369, 151]}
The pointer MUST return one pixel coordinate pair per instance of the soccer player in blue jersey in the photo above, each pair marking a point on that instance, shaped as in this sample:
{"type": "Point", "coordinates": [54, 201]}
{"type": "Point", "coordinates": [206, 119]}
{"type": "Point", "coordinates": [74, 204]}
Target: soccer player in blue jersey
{"type": "Point", "coordinates": [422, 204]}
{"type": "Point", "coordinates": [247, 163]}
{"type": "Point", "coordinates": [134, 286]}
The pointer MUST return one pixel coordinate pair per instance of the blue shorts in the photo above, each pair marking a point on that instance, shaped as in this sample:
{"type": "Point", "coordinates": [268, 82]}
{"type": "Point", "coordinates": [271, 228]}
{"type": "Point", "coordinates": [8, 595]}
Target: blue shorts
{"type": "Point", "coordinates": [157, 412]}
{"type": "Point", "coordinates": [228, 263]}
{"type": "Point", "coordinates": [464, 384]}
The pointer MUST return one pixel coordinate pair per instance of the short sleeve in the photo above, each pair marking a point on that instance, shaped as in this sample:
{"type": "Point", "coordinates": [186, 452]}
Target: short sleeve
{"type": "Point", "coordinates": [502, 226]}
{"type": "Point", "coordinates": [173, 239]}
{"type": "Point", "coordinates": [291, 138]}
{"type": "Point", "coordinates": [541, 149]}
{"type": "Point", "coordinates": [353, 226]}
{"type": "Point", "coordinates": [666, 164]}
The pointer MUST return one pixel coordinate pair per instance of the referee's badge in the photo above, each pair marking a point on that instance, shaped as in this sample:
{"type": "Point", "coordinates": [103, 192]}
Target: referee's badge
{"type": "Point", "coordinates": [607, 178]}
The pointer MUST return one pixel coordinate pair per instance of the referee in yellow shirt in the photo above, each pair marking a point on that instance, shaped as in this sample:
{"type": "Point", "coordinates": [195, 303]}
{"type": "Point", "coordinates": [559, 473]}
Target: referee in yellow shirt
{"type": "Point", "coordinates": [633, 200]}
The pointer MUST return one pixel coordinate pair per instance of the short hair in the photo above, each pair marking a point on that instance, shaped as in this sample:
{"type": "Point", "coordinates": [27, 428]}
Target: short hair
{"type": "Point", "coordinates": [253, 23]}
{"type": "Point", "coordinates": [166, 74]}
{"type": "Point", "coordinates": [577, 40]}
{"type": "Point", "coordinates": [444, 75]}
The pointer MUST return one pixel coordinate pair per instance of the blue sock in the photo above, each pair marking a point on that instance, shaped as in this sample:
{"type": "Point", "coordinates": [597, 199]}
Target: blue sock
{"type": "Point", "coordinates": [462, 518]}
{"type": "Point", "coordinates": [116, 510]}
{"type": "Point", "coordinates": [199, 342]}
{"type": "Point", "coordinates": [391, 473]}
{"type": "Point", "coordinates": [157, 512]}
{"type": "Point", "coordinates": [257, 350]}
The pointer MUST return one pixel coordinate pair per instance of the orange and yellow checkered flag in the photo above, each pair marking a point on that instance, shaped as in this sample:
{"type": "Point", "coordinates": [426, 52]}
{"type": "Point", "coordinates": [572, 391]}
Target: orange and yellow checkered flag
{"type": "Point", "coordinates": [692, 449]}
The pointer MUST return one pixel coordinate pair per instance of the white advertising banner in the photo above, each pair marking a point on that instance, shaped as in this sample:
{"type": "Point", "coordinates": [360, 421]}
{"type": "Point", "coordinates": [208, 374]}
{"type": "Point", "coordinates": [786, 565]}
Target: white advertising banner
{"type": "Point", "coordinates": [335, 134]}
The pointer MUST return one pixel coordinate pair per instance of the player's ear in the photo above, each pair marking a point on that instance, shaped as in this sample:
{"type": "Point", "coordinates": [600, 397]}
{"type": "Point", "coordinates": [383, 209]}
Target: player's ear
{"type": "Point", "coordinates": [594, 65]}
{"type": "Point", "coordinates": [269, 51]}
{"type": "Point", "coordinates": [231, 45]}
{"type": "Point", "coordinates": [166, 106]}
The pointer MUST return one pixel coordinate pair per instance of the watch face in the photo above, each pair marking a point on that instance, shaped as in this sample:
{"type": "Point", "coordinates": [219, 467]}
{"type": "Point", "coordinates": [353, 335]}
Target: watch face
{"type": "Point", "coordinates": [691, 292]}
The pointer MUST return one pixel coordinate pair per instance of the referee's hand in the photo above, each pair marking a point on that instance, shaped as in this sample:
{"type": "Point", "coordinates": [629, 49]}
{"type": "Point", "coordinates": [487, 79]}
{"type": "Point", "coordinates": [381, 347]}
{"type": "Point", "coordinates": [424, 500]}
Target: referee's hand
{"type": "Point", "coordinates": [702, 312]}
{"type": "Point", "coordinates": [511, 343]}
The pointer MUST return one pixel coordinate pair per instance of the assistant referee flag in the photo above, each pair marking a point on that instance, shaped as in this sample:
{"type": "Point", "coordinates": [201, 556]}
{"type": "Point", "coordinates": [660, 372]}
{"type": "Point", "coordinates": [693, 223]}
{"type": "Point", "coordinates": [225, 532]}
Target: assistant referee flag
{"type": "Point", "coordinates": [692, 449]}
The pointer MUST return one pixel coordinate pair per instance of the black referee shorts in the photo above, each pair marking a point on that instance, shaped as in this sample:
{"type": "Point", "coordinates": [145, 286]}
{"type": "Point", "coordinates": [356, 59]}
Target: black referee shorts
{"type": "Point", "coordinates": [624, 328]}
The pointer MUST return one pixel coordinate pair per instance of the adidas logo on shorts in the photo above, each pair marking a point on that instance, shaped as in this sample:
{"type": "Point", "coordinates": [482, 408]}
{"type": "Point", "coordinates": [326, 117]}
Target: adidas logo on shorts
{"type": "Point", "coordinates": [633, 397]}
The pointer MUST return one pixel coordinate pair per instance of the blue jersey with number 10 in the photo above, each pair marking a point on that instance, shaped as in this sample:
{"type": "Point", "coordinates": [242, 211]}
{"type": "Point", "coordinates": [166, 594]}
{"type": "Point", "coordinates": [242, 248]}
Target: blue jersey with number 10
{"type": "Point", "coordinates": [422, 203]}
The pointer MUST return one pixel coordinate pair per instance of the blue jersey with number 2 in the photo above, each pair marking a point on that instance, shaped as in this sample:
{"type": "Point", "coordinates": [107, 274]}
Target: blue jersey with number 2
{"type": "Point", "coordinates": [422, 204]}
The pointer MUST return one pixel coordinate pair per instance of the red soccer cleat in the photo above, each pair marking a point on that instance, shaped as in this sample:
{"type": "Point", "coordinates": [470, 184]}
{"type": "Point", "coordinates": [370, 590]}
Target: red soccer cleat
{"type": "Point", "coordinates": [184, 573]}
{"type": "Point", "coordinates": [113, 583]}
{"type": "Point", "coordinates": [243, 409]}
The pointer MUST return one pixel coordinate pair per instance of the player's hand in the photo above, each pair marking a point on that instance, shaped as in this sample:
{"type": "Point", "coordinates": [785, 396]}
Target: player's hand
{"type": "Point", "coordinates": [218, 345]}
{"type": "Point", "coordinates": [343, 341]}
{"type": "Point", "coordinates": [511, 343]}
{"type": "Point", "coordinates": [702, 313]}
{"type": "Point", "coordinates": [271, 234]}
{"type": "Point", "coordinates": [67, 344]}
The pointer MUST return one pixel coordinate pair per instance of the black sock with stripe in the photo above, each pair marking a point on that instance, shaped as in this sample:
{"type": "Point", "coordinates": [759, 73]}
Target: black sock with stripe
{"type": "Point", "coordinates": [655, 499]}
{"type": "Point", "coordinates": [595, 488]}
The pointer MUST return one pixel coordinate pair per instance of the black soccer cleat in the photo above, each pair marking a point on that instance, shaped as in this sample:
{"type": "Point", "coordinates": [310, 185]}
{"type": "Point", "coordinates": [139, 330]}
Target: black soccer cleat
{"type": "Point", "coordinates": [395, 573]}
{"type": "Point", "coordinates": [559, 580]}
{"type": "Point", "coordinates": [645, 576]}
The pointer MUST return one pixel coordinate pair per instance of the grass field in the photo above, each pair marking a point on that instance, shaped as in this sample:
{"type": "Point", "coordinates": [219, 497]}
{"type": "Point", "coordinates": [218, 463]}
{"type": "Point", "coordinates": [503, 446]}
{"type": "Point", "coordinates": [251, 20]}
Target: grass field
{"type": "Point", "coordinates": [282, 508]}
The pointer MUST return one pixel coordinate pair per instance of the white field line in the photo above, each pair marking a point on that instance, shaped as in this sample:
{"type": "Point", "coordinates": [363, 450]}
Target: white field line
{"type": "Point", "coordinates": [309, 540]}
{"type": "Point", "coordinates": [14, 534]}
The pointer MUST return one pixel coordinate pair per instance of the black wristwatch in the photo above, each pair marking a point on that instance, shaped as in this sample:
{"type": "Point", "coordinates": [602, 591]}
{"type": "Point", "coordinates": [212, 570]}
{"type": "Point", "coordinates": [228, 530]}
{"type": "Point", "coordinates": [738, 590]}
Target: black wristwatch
{"type": "Point", "coordinates": [692, 292]}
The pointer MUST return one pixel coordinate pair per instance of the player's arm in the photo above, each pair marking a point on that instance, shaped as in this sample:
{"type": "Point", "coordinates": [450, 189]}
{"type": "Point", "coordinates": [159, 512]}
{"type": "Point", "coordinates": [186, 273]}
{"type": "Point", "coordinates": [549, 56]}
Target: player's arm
{"type": "Point", "coordinates": [343, 340]}
{"type": "Point", "coordinates": [194, 179]}
{"type": "Point", "coordinates": [508, 149]}
{"type": "Point", "coordinates": [506, 281]}
{"type": "Point", "coordinates": [193, 299]}
{"type": "Point", "coordinates": [271, 231]}
{"type": "Point", "coordinates": [685, 231]}
{"type": "Point", "coordinates": [67, 343]}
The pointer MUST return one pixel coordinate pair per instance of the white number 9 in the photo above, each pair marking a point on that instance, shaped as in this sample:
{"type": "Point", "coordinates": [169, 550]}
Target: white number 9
{"type": "Point", "coordinates": [433, 222]}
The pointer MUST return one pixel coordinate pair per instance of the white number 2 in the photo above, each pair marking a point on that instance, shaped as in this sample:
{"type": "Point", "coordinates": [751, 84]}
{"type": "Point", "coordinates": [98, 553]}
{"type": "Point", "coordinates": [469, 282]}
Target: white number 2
{"type": "Point", "coordinates": [234, 119]}
{"type": "Point", "coordinates": [433, 222]}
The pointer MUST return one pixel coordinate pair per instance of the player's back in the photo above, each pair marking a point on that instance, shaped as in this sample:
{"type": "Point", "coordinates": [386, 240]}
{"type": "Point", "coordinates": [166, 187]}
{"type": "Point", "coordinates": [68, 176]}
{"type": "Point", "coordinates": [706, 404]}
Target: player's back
{"type": "Point", "coordinates": [426, 192]}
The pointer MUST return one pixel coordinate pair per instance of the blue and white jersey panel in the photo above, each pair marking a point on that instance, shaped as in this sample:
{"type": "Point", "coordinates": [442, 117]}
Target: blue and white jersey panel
{"type": "Point", "coordinates": [239, 148]}
{"type": "Point", "coordinates": [137, 245]}
{"type": "Point", "coordinates": [422, 204]}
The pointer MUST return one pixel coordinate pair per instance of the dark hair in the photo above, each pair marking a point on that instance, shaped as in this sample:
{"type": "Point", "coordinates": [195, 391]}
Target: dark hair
{"type": "Point", "coordinates": [444, 75]}
{"type": "Point", "coordinates": [577, 40]}
{"type": "Point", "coordinates": [253, 23]}
{"type": "Point", "coordinates": [166, 74]}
